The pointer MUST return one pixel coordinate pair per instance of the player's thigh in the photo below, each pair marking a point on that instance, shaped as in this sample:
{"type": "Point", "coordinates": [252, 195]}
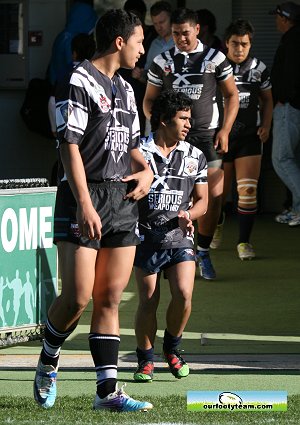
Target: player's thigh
{"type": "Point", "coordinates": [215, 180]}
{"type": "Point", "coordinates": [248, 167]}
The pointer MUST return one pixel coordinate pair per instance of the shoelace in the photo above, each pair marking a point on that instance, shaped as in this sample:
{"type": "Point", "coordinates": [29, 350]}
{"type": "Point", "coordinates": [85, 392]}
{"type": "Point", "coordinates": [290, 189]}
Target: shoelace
{"type": "Point", "coordinates": [121, 391]}
{"type": "Point", "coordinates": [46, 382]}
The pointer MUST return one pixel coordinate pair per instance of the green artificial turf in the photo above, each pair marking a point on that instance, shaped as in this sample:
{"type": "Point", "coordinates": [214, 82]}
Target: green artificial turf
{"type": "Point", "coordinates": [252, 307]}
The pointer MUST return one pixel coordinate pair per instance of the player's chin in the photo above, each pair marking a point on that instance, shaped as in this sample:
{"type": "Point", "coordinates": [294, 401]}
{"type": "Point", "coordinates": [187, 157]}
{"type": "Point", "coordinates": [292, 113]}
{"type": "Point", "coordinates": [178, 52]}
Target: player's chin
{"type": "Point", "coordinates": [129, 64]}
{"type": "Point", "coordinates": [183, 135]}
{"type": "Point", "coordinates": [239, 59]}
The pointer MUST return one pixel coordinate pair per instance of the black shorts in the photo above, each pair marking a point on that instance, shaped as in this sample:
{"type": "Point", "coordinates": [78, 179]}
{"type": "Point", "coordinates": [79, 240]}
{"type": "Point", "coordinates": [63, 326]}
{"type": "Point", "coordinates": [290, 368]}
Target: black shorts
{"type": "Point", "coordinates": [244, 145]}
{"type": "Point", "coordinates": [119, 216]}
{"type": "Point", "coordinates": [153, 260]}
{"type": "Point", "coordinates": [206, 145]}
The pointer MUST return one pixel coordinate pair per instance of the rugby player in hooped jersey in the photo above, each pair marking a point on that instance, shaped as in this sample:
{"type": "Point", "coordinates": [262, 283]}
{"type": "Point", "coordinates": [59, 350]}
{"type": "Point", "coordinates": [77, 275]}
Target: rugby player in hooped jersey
{"type": "Point", "coordinates": [198, 70]}
{"type": "Point", "coordinates": [96, 212]}
{"type": "Point", "coordinates": [166, 230]}
{"type": "Point", "coordinates": [250, 130]}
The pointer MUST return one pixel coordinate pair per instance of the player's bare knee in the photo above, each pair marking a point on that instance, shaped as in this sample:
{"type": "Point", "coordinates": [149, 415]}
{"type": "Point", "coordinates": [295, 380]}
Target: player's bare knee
{"type": "Point", "coordinates": [76, 307]}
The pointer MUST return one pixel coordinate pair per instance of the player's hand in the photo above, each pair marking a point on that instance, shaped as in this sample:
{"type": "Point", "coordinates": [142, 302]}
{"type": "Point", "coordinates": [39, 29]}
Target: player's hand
{"type": "Point", "coordinates": [263, 133]}
{"type": "Point", "coordinates": [143, 180]}
{"type": "Point", "coordinates": [185, 223]}
{"type": "Point", "coordinates": [221, 142]}
{"type": "Point", "coordinates": [89, 222]}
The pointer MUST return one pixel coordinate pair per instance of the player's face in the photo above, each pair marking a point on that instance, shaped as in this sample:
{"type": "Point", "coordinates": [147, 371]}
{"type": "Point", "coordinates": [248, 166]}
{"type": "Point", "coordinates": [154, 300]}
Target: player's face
{"type": "Point", "coordinates": [280, 23]}
{"type": "Point", "coordinates": [133, 49]}
{"type": "Point", "coordinates": [185, 36]}
{"type": "Point", "coordinates": [180, 125]}
{"type": "Point", "coordinates": [162, 24]}
{"type": "Point", "coordinates": [238, 48]}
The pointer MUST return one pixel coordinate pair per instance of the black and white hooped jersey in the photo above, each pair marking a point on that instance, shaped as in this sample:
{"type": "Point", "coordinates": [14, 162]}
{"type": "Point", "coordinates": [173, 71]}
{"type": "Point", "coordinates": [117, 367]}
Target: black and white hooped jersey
{"type": "Point", "coordinates": [100, 116]}
{"type": "Point", "coordinates": [251, 77]}
{"type": "Point", "coordinates": [195, 73]}
{"type": "Point", "coordinates": [174, 179]}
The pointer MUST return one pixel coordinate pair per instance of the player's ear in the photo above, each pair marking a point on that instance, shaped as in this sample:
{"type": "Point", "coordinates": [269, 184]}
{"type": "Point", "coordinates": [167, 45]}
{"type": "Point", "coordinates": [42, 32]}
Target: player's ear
{"type": "Point", "coordinates": [119, 41]}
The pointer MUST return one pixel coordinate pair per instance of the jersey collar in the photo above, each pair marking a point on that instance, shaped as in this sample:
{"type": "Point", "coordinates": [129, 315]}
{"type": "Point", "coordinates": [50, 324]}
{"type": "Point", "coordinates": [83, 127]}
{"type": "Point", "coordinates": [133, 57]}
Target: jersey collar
{"type": "Point", "coordinates": [149, 145]}
{"type": "Point", "coordinates": [199, 48]}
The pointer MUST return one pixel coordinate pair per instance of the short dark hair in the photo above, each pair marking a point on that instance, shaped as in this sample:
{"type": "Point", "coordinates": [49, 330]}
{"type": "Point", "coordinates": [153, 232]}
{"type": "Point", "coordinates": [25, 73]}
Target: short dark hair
{"type": "Point", "coordinates": [239, 27]}
{"type": "Point", "coordinates": [114, 23]}
{"type": "Point", "coordinates": [183, 15]}
{"type": "Point", "coordinates": [166, 105]}
{"type": "Point", "coordinates": [160, 6]}
{"type": "Point", "coordinates": [206, 17]}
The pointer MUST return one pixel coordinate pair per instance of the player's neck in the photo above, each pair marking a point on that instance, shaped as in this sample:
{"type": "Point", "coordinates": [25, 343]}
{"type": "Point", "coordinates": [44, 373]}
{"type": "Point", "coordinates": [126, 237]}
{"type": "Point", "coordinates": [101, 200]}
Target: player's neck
{"type": "Point", "coordinates": [165, 144]}
{"type": "Point", "coordinates": [106, 65]}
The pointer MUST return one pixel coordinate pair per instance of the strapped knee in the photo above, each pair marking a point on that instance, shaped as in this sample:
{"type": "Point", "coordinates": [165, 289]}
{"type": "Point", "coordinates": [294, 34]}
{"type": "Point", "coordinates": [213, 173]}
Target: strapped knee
{"type": "Point", "coordinates": [247, 191]}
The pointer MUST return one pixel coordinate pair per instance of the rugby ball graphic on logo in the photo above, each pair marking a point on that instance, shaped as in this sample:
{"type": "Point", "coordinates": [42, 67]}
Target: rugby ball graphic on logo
{"type": "Point", "coordinates": [229, 398]}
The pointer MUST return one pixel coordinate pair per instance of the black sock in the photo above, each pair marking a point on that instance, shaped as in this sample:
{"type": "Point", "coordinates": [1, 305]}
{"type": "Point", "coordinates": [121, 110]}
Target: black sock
{"type": "Point", "coordinates": [53, 341]}
{"type": "Point", "coordinates": [104, 349]}
{"type": "Point", "coordinates": [170, 342]}
{"type": "Point", "coordinates": [204, 242]}
{"type": "Point", "coordinates": [145, 355]}
{"type": "Point", "coordinates": [222, 217]}
{"type": "Point", "coordinates": [246, 220]}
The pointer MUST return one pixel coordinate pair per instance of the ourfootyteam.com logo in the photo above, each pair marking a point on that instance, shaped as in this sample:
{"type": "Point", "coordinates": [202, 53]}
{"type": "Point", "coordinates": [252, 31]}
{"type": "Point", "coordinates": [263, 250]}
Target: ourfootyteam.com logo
{"type": "Point", "coordinates": [236, 401]}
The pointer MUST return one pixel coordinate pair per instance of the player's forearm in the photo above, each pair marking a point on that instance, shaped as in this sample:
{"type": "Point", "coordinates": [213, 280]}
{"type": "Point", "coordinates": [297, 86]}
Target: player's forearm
{"type": "Point", "coordinates": [75, 172]}
{"type": "Point", "coordinates": [147, 107]}
{"type": "Point", "coordinates": [138, 162]}
{"type": "Point", "coordinates": [200, 201]}
{"type": "Point", "coordinates": [267, 113]}
{"type": "Point", "coordinates": [231, 107]}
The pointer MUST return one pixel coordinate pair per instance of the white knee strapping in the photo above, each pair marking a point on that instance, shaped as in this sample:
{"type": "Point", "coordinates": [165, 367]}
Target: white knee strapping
{"type": "Point", "coordinates": [247, 190]}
